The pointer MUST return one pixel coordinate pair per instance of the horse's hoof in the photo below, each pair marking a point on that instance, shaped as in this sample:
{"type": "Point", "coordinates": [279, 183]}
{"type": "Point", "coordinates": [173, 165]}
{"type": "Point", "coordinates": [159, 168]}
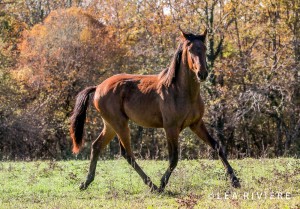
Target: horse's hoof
{"type": "Point", "coordinates": [235, 182]}
{"type": "Point", "coordinates": [160, 190]}
{"type": "Point", "coordinates": [153, 188]}
{"type": "Point", "coordinates": [82, 186]}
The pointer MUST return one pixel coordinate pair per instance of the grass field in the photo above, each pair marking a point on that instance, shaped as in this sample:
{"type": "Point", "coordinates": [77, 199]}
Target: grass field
{"type": "Point", "coordinates": [266, 183]}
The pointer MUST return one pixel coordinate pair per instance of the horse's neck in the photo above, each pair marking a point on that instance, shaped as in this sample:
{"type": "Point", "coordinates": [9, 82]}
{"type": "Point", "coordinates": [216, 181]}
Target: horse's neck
{"type": "Point", "coordinates": [187, 81]}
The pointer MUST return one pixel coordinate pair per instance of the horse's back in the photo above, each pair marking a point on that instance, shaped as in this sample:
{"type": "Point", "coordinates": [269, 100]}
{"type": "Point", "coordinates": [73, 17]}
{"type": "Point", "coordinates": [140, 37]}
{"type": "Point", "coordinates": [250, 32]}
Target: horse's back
{"type": "Point", "coordinates": [134, 97]}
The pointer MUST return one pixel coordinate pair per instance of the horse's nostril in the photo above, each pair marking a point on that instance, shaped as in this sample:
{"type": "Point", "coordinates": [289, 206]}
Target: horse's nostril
{"type": "Point", "coordinates": [202, 75]}
{"type": "Point", "coordinates": [199, 74]}
{"type": "Point", "coordinates": [206, 74]}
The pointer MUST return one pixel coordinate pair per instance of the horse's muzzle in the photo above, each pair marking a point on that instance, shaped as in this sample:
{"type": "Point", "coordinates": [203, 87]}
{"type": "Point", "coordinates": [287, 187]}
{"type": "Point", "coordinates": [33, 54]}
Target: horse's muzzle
{"type": "Point", "coordinates": [202, 75]}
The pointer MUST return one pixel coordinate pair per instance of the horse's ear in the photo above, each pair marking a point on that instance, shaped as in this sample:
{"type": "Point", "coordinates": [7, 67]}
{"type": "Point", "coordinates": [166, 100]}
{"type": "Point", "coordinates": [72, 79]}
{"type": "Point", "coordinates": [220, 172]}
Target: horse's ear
{"type": "Point", "coordinates": [203, 36]}
{"type": "Point", "coordinates": [183, 34]}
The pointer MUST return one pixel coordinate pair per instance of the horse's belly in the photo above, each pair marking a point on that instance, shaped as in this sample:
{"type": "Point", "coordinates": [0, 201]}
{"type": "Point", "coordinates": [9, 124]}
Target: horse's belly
{"type": "Point", "coordinates": [150, 123]}
{"type": "Point", "coordinates": [145, 113]}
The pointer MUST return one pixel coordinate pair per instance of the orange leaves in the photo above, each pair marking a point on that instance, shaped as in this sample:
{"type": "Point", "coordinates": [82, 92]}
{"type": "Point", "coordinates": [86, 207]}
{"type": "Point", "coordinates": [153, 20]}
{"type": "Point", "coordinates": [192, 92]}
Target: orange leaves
{"type": "Point", "coordinates": [69, 45]}
{"type": "Point", "coordinates": [85, 35]}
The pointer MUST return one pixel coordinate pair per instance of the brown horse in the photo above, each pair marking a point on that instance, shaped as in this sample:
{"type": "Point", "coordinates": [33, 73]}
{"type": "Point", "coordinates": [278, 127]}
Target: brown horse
{"type": "Point", "coordinates": [169, 100]}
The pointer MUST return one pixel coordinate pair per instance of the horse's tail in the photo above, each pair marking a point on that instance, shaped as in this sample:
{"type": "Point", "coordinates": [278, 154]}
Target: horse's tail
{"type": "Point", "coordinates": [78, 117]}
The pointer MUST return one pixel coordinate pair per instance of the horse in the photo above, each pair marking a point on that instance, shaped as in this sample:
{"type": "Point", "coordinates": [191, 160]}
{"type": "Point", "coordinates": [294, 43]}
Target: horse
{"type": "Point", "coordinates": [170, 100]}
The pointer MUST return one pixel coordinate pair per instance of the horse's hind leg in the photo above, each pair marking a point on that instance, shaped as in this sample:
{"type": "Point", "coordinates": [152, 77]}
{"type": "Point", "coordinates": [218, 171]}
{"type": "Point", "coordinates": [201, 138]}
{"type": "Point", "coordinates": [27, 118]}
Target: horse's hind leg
{"type": "Point", "coordinates": [200, 129]}
{"type": "Point", "coordinates": [124, 137]}
{"type": "Point", "coordinates": [102, 140]}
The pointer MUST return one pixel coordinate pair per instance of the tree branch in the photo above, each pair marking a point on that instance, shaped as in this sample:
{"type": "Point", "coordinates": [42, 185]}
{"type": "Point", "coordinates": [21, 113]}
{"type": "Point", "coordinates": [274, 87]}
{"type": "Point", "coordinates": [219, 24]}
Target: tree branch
{"type": "Point", "coordinates": [219, 47]}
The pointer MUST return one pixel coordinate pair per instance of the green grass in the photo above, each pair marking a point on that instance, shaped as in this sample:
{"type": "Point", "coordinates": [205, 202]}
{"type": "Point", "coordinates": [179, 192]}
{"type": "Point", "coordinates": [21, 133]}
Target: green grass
{"type": "Point", "coordinates": [194, 184]}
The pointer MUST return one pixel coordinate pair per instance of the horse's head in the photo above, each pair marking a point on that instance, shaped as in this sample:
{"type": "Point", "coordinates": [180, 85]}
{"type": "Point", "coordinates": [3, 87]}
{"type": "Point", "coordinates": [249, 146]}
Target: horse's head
{"type": "Point", "coordinates": [196, 53]}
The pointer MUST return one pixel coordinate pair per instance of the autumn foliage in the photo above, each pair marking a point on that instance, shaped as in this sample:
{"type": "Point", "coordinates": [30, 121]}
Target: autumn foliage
{"type": "Point", "coordinates": [70, 47]}
{"type": "Point", "coordinates": [50, 51]}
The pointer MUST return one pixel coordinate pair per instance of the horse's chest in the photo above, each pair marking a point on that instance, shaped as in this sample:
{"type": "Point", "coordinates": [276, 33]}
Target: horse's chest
{"type": "Point", "coordinates": [191, 118]}
{"type": "Point", "coordinates": [193, 114]}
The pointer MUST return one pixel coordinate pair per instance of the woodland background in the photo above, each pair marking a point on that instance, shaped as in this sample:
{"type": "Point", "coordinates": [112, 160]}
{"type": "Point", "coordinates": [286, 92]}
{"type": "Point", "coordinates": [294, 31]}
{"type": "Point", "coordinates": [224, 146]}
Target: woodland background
{"type": "Point", "coordinates": [51, 50]}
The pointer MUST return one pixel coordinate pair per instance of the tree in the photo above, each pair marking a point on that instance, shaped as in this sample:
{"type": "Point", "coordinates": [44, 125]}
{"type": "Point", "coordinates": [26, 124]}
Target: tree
{"type": "Point", "coordinates": [59, 57]}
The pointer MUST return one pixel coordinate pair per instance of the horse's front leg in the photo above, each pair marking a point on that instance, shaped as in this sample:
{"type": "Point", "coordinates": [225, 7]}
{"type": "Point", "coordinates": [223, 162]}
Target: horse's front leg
{"type": "Point", "coordinates": [172, 140]}
{"type": "Point", "coordinates": [201, 131]}
{"type": "Point", "coordinates": [102, 140]}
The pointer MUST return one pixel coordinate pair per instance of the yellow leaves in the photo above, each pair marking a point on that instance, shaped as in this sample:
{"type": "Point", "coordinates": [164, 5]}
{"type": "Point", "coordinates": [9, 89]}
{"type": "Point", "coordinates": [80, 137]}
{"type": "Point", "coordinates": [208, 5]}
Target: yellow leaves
{"type": "Point", "coordinates": [23, 74]}
{"type": "Point", "coordinates": [223, 89]}
{"type": "Point", "coordinates": [39, 30]}
{"type": "Point", "coordinates": [75, 11]}
{"type": "Point", "coordinates": [10, 31]}
{"type": "Point", "coordinates": [229, 6]}
{"type": "Point", "coordinates": [230, 50]}
{"type": "Point", "coordinates": [30, 39]}
{"type": "Point", "coordinates": [85, 35]}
